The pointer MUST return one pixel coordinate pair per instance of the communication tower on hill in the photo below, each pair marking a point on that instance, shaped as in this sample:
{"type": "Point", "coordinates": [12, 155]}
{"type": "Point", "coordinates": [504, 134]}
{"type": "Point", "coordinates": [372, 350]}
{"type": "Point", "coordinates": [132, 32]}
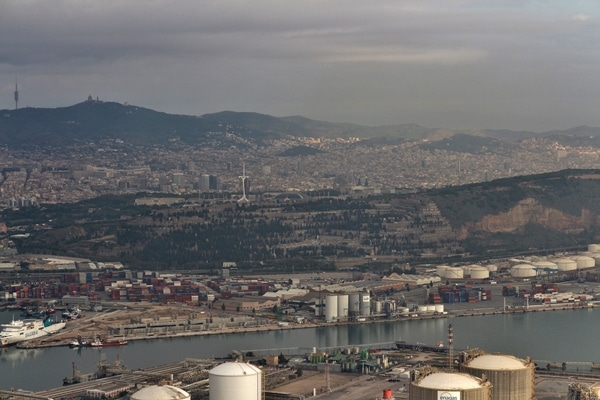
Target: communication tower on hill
{"type": "Point", "coordinates": [16, 94]}
{"type": "Point", "coordinates": [243, 177]}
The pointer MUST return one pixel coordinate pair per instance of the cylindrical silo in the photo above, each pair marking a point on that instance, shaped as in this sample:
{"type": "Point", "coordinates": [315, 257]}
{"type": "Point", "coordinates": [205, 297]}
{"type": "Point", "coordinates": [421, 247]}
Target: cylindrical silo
{"type": "Point", "coordinates": [234, 380]}
{"type": "Point", "coordinates": [390, 307]}
{"type": "Point", "coordinates": [511, 377]}
{"type": "Point", "coordinates": [160, 392]}
{"type": "Point", "coordinates": [354, 304]}
{"type": "Point", "coordinates": [365, 304]}
{"type": "Point", "coordinates": [331, 308]}
{"type": "Point", "coordinates": [449, 385]}
{"type": "Point", "coordinates": [377, 307]}
{"type": "Point", "coordinates": [342, 306]}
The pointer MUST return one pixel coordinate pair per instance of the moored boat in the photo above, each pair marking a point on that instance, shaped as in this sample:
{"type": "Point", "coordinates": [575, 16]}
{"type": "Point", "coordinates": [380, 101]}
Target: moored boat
{"type": "Point", "coordinates": [107, 343]}
{"type": "Point", "coordinates": [438, 348]}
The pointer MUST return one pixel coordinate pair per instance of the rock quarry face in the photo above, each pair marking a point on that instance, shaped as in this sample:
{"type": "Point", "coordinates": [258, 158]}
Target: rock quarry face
{"type": "Point", "coordinates": [530, 211]}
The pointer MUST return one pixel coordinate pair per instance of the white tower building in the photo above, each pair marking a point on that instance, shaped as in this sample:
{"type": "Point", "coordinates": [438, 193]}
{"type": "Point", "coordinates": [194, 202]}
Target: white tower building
{"type": "Point", "coordinates": [243, 177]}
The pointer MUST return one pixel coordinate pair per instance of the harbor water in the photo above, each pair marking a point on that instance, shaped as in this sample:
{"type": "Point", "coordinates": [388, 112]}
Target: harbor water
{"type": "Point", "coordinates": [561, 336]}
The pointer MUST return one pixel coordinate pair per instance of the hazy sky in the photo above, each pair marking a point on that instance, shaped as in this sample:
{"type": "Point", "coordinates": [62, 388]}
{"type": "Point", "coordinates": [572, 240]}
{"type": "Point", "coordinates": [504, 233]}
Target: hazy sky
{"type": "Point", "coordinates": [513, 64]}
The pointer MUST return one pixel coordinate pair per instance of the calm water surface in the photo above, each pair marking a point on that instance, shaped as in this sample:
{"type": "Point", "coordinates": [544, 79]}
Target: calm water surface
{"type": "Point", "coordinates": [553, 335]}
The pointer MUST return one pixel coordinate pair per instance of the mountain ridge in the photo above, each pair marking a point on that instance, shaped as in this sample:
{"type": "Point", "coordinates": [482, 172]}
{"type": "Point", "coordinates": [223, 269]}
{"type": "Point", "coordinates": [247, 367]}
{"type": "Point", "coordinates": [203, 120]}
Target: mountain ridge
{"type": "Point", "coordinates": [92, 121]}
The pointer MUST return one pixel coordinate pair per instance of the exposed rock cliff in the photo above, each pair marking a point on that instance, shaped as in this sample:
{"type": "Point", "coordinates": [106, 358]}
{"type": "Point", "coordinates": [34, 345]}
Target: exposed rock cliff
{"type": "Point", "coordinates": [530, 211]}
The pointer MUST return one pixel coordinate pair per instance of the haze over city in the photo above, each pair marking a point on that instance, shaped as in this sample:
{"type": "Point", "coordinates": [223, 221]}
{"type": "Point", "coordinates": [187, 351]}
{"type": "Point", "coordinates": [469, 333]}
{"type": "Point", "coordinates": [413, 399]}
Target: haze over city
{"type": "Point", "coordinates": [520, 65]}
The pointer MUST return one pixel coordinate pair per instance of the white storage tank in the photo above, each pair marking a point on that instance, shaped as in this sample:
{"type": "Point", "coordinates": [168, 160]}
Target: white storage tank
{"type": "Point", "coordinates": [566, 264]}
{"type": "Point", "coordinates": [511, 377]}
{"type": "Point", "coordinates": [547, 266]}
{"type": "Point", "coordinates": [596, 257]}
{"type": "Point", "coordinates": [354, 304]}
{"type": "Point", "coordinates": [235, 380]}
{"type": "Point", "coordinates": [594, 248]}
{"type": "Point", "coordinates": [492, 267]}
{"type": "Point", "coordinates": [439, 308]}
{"type": "Point", "coordinates": [454, 273]}
{"type": "Point", "coordinates": [331, 307]}
{"type": "Point", "coordinates": [449, 385]}
{"type": "Point", "coordinates": [468, 268]}
{"type": "Point", "coordinates": [479, 272]}
{"type": "Point", "coordinates": [342, 306]}
{"type": "Point", "coordinates": [523, 271]}
{"type": "Point", "coordinates": [584, 262]}
{"type": "Point", "coordinates": [365, 304]}
{"type": "Point", "coordinates": [440, 270]}
{"type": "Point", "coordinates": [160, 392]}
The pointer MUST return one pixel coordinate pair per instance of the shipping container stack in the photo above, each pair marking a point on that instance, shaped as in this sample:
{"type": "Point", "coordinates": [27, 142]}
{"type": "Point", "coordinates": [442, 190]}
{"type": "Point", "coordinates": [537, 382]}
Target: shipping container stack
{"type": "Point", "coordinates": [461, 294]}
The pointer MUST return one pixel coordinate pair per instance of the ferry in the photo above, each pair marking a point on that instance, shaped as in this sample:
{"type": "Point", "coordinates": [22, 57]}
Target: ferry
{"type": "Point", "coordinates": [27, 329]}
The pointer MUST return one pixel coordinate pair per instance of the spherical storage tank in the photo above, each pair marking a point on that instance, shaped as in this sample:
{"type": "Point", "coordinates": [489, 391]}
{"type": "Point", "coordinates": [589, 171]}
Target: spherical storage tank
{"type": "Point", "coordinates": [331, 307]}
{"type": "Point", "coordinates": [160, 392]}
{"type": "Point", "coordinates": [523, 271]}
{"type": "Point", "coordinates": [511, 377]}
{"type": "Point", "coordinates": [450, 386]}
{"type": "Point", "coordinates": [234, 380]}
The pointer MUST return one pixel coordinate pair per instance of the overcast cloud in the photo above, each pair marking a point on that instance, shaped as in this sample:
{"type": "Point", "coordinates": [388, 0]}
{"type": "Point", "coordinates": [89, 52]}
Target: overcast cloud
{"type": "Point", "coordinates": [448, 63]}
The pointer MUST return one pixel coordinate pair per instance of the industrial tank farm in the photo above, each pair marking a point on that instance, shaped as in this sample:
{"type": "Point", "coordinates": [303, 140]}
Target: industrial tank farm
{"type": "Point", "coordinates": [235, 380]}
{"type": "Point", "coordinates": [449, 385]}
{"type": "Point", "coordinates": [511, 377]}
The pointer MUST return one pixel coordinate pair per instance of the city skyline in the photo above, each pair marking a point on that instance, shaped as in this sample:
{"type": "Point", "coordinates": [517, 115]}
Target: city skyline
{"type": "Point", "coordinates": [519, 65]}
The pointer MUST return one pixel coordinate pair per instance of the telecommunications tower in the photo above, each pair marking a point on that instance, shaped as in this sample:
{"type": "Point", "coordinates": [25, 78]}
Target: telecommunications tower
{"type": "Point", "coordinates": [243, 177]}
{"type": "Point", "coordinates": [16, 94]}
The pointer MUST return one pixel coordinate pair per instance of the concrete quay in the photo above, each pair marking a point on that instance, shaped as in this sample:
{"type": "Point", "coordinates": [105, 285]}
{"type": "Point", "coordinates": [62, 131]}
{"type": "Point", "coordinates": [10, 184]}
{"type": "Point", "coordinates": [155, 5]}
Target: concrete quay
{"type": "Point", "coordinates": [116, 329]}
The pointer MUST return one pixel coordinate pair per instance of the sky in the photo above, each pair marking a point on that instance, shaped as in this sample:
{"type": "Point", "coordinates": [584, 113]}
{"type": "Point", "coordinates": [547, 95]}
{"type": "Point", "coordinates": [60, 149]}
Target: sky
{"type": "Point", "coordinates": [458, 64]}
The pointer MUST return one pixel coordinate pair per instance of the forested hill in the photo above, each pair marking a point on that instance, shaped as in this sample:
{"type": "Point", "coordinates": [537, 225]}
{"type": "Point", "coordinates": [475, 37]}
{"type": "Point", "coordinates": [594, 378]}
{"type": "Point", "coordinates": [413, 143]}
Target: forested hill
{"type": "Point", "coordinates": [540, 213]}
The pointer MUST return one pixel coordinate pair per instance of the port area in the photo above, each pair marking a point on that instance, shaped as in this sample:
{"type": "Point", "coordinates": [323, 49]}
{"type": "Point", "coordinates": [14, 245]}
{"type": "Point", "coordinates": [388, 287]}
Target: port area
{"type": "Point", "coordinates": [147, 321]}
